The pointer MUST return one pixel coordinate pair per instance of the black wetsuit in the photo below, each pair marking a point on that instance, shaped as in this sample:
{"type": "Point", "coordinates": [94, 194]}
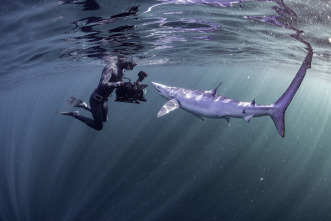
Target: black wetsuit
{"type": "Point", "coordinates": [98, 99]}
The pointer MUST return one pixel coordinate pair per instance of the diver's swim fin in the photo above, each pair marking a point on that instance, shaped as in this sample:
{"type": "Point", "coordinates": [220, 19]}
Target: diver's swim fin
{"type": "Point", "coordinates": [75, 102]}
{"type": "Point", "coordinates": [69, 113]}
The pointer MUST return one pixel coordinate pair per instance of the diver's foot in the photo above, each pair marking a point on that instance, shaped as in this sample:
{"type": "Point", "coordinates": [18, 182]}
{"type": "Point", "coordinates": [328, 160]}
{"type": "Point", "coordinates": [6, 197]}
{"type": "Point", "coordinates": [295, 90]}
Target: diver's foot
{"type": "Point", "coordinates": [83, 105]}
{"type": "Point", "coordinates": [72, 113]}
{"type": "Point", "coordinates": [76, 102]}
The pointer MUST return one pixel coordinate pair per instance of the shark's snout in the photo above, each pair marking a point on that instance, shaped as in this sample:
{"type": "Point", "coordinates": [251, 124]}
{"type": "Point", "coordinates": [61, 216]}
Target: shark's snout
{"type": "Point", "coordinates": [162, 89]}
{"type": "Point", "coordinates": [157, 86]}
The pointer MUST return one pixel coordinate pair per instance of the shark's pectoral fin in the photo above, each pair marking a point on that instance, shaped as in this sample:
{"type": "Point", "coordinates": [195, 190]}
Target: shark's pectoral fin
{"type": "Point", "coordinates": [168, 107]}
{"type": "Point", "coordinates": [248, 118]}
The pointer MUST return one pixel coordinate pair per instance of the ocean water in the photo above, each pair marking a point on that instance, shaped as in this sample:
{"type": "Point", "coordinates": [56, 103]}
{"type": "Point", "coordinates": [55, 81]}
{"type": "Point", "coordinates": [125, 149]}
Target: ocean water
{"type": "Point", "coordinates": [140, 167]}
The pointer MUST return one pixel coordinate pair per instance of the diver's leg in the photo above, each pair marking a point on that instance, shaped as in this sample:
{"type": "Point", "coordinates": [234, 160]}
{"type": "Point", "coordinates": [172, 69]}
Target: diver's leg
{"type": "Point", "coordinates": [89, 122]}
{"type": "Point", "coordinates": [87, 108]}
{"type": "Point", "coordinates": [96, 109]}
{"type": "Point", "coordinates": [104, 109]}
{"type": "Point", "coordinates": [96, 123]}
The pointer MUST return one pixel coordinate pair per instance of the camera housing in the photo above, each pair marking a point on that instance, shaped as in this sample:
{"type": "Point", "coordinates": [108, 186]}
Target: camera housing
{"type": "Point", "coordinates": [132, 92]}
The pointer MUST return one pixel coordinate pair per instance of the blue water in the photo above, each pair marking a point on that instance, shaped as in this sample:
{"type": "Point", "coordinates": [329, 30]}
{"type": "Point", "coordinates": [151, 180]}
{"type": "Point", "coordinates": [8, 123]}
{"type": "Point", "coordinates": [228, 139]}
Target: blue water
{"type": "Point", "coordinates": [140, 167]}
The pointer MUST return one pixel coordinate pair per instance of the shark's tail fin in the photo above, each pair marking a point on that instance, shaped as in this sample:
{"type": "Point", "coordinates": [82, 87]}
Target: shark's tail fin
{"type": "Point", "coordinates": [279, 107]}
{"type": "Point", "coordinates": [277, 115]}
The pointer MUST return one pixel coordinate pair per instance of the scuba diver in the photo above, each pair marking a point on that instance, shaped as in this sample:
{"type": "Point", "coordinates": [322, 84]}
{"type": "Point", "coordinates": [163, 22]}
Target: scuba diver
{"type": "Point", "coordinates": [111, 79]}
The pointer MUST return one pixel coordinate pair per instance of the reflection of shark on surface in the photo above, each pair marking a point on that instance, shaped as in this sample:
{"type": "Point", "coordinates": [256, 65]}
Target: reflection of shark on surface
{"type": "Point", "coordinates": [210, 105]}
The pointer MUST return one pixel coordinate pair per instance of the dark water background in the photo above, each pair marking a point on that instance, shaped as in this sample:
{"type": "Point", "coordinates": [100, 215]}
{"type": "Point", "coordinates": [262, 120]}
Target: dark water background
{"type": "Point", "coordinates": [176, 167]}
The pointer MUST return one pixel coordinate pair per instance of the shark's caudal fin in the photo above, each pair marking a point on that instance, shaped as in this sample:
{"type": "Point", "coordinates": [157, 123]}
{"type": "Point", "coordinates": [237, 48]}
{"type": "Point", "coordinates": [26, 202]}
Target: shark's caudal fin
{"type": "Point", "coordinates": [278, 118]}
{"type": "Point", "coordinates": [280, 106]}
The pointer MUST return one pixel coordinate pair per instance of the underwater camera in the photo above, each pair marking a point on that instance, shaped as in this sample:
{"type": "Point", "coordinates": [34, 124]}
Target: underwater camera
{"type": "Point", "coordinates": [132, 92]}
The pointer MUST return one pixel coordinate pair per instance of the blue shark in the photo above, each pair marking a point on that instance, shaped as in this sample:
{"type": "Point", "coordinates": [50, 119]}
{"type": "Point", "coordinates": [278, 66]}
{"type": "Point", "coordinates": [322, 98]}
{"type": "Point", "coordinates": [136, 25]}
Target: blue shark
{"type": "Point", "coordinates": [208, 104]}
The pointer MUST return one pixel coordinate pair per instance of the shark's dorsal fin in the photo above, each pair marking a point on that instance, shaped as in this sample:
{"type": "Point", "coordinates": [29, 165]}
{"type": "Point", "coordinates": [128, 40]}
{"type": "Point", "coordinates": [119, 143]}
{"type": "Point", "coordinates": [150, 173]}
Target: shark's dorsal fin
{"type": "Point", "coordinates": [213, 92]}
{"type": "Point", "coordinates": [253, 102]}
{"type": "Point", "coordinates": [168, 107]}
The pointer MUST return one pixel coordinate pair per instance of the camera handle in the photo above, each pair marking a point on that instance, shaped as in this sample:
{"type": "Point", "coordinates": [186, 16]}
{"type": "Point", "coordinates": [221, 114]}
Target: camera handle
{"type": "Point", "coordinates": [127, 79]}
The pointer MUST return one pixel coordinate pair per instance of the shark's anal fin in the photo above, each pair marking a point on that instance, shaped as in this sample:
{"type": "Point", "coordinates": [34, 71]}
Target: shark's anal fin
{"type": "Point", "coordinates": [213, 92]}
{"type": "Point", "coordinates": [168, 107]}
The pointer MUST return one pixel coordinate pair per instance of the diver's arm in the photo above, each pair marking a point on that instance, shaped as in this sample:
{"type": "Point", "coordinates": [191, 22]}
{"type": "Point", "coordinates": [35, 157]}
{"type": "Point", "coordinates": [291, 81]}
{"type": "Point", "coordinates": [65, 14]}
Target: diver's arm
{"type": "Point", "coordinates": [107, 72]}
{"type": "Point", "coordinates": [112, 84]}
